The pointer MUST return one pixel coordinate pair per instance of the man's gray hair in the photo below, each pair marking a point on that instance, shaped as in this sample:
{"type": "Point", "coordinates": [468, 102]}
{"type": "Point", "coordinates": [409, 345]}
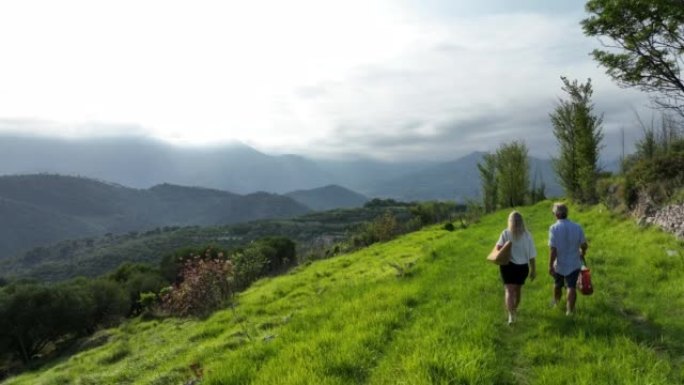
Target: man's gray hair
{"type": "Point", "coordinates": [560, 210]}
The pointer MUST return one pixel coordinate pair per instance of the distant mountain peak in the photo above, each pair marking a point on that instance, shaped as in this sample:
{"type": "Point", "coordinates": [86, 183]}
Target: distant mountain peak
{"type": "Point", "coordinates": [328, 197]}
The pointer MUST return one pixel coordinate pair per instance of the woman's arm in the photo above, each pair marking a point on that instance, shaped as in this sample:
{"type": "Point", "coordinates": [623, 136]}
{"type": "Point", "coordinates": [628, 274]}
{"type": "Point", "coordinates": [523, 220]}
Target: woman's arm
{"type": "Point", "coordinates": [533, 269]}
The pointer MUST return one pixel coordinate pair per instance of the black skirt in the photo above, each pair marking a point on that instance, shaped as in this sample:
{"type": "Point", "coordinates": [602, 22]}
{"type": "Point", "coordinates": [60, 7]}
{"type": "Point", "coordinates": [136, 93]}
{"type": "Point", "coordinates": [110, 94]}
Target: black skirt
{"type": "Point", "coordinates": [514, 274]}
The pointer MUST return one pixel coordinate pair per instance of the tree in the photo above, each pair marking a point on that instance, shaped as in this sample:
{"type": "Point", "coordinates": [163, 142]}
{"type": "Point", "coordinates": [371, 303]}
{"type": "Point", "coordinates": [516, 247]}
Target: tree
{"type": "Point", "coordinates": [488, 180]}
{"type": "Point", "coordinates": [33, 316]}
{"type": "Point", "coordinates": [512, 176]}
{"type": "Point", "coordinates": [645, 45]}
{"type": "Point", "coordinates": [578, 132]}
{"type": "Point", "coordinates": [537, 191]}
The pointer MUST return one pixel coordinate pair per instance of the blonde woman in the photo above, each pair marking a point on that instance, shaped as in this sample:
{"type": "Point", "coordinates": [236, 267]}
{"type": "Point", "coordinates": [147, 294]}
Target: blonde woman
{"type": "Point", "coordinates": [522, 263]}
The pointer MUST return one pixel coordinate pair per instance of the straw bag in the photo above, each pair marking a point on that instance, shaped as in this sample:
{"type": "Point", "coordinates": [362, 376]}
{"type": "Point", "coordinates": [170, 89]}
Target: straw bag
{"type": "Point", "coordinates": [501, 257]}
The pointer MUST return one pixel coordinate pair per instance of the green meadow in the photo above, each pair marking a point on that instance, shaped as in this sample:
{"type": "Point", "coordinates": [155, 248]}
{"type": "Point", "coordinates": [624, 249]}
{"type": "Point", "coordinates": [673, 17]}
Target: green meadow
{"type": "Point", "coordinates": [425, 308]}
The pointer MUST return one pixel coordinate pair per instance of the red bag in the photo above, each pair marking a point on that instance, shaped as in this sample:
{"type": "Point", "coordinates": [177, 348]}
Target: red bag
{"type": "Point", "coordinates": [584, 282]}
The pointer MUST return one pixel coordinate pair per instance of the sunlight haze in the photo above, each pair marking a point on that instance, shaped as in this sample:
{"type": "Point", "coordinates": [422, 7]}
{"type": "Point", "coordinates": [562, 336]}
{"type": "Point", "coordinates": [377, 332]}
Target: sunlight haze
{"type": "Point", "coordinates": [389, 79]}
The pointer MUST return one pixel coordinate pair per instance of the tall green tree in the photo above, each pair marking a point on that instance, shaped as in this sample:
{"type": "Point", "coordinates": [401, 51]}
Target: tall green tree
{"type": "Point", "coordinates": [488, 180]}
{"type": "Point", "coordinates": [512, 174]}
{"type": "Point", "coordinates": [579, 134]}
{"type": "Point", "coordinates": [644, 43]}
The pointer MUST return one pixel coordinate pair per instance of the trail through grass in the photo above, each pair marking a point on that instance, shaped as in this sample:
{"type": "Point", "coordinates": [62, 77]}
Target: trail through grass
{"type": "Point", "coordinates": [423, 309]}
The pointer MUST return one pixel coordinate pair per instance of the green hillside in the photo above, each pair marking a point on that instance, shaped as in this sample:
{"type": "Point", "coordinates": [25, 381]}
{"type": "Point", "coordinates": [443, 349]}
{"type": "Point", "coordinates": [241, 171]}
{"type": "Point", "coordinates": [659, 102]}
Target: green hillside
{"type": "Point", "coordinates": [423, 309]}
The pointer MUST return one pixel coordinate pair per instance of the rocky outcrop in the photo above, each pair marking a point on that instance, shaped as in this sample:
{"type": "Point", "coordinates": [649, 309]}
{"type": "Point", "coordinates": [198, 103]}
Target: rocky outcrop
{"type": "Point", "coordinates": [669, 218]}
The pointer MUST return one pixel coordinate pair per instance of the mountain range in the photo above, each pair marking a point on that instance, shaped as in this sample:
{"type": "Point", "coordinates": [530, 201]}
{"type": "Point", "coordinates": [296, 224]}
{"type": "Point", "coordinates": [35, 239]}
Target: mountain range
{"type": "Point", "coordinates": [40, 209]}
{"type": "Point", "coordinates": [54, 189]}
{"type": "Point", "coordinates": [240, 169]}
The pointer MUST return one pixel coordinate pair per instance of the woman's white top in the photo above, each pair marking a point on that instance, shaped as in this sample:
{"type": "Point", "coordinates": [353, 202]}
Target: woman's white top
{"type": "Point", "coordinates": [522, 249]}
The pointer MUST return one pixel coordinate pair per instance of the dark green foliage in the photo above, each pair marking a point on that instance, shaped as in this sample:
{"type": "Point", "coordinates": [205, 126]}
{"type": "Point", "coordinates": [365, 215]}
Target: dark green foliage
{"type": "Point", "coordinates": [537, 188]}
{"type": "Point", "coordinates": [379, 203]}
{"type": "Point", "coordinates": [32, 316]}
{"type": "Point", "coordinates": [512, 174]}
{"type": "Point", "coordinates": [659, 177]}
{"type": "Point", "coordinates": [578, 132]}
{"type": "Point", "coordinates": [449, 226]}
{"type": "Point", "coordinates": [280, 252]}
{"type": "Point", "coordinates": [135, 279]}
{"type": "Point", "coordinates": [490, 193]}
{"type": "Point", "coordinates": [654, 171]}
{"type": "Point", "coordinates": [435, 212]}
{"type": "Point", "coordinates": [505, 176]}
{"type": "Point", "coordinates": [383, 228]}
{"type": "Point", "coordinates": [249, 265]}
{"type": "Point", "coordinates": [263, 257]}
{"type": "Point", "coordinates": [645, 44]}
{"type": "Point", "coordinates": [111, 303]}
{"type": "Point", "coordinates": [612, 193]}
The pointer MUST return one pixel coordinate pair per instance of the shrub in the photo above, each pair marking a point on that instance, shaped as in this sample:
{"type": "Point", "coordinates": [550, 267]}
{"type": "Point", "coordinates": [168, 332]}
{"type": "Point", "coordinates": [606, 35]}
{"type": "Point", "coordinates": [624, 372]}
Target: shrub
{"type": "Point", "coordinates": [659, 177]}
{"type": "Point", "coordinates": [250, 264]}
{"type": "Point", "coordinates": [172, 265]}
{"type": "Point", "coordinates": [206, 284]}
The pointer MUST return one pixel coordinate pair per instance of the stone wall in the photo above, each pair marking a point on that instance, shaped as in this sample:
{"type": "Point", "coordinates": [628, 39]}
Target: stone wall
{"type": "Point", "coordinates": [669, 218]}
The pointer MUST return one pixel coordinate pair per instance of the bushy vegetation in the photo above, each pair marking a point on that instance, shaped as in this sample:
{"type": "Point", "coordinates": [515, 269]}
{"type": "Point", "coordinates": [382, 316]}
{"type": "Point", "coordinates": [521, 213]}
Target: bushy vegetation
{"type": "Point", "coordinates": [39, 319]}
{"type": "Point", "coordinates": [205, 285]}
{"type": "Point", "coordinates": [654, 174]}
{"type": "Point", "coordinates": [505, 178]}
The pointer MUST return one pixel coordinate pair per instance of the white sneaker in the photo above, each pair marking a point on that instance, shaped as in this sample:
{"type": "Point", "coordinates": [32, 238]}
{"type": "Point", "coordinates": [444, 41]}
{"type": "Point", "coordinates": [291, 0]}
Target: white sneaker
{"type": "Point", "coordinates": [511, 319]}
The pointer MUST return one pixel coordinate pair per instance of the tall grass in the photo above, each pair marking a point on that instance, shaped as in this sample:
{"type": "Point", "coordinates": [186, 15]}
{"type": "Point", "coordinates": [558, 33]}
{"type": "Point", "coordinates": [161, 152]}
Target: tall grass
{"type": "Point", "coordinates": [423, 309]}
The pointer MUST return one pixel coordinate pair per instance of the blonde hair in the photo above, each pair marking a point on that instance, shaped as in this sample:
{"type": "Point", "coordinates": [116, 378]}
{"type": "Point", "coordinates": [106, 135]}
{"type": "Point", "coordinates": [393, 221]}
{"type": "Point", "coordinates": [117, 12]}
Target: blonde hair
{"type": "Point", "coordinates": [516, 225]}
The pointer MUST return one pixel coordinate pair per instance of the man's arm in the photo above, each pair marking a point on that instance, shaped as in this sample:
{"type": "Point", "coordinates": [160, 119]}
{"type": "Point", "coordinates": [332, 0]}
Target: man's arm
{"type": "Point", "coordinates": [552, 260]}
{"type": "Point", "coordinates": [583, 251]}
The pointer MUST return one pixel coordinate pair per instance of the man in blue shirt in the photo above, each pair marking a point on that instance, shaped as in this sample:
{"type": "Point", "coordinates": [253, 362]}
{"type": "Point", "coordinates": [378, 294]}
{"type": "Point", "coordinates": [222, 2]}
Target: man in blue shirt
{"type": "Point", "coordinates": [568, 247]}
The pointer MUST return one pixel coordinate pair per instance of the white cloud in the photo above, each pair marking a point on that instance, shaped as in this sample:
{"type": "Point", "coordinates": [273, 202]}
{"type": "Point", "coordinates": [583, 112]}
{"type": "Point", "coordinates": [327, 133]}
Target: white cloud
{"type": "Point", "coordinates": [304, 76]}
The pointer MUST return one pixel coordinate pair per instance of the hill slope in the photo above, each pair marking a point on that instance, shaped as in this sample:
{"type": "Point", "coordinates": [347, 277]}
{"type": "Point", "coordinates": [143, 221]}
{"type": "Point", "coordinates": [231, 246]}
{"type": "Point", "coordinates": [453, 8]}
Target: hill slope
{"type": "Point", "coordinates": [423, 309]}
{"type": "Point", "coordinates": [94, 256]}
{"type": "Point", "coordinates": [328, 198]}
{"type": "Point", "coordinates": [49, 208]}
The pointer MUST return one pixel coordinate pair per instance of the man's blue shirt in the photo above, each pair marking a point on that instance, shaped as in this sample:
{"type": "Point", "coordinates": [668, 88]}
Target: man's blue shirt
{"type": "Point", "coordinates": [566, 236]}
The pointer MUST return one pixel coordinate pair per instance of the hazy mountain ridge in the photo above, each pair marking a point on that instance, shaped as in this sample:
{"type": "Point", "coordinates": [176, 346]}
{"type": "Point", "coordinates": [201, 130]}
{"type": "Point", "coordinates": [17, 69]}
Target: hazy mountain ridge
{"type": "Point", "coordinates": [328, 198]}
{"type": "Point", "coordinates": [457, 180]}
{"type": "Point", "coordinates": [47, 208]}
{"type": "Point", "coordinates": [143, 163]}
{"type": "Point", "coordinates": [43, 209]}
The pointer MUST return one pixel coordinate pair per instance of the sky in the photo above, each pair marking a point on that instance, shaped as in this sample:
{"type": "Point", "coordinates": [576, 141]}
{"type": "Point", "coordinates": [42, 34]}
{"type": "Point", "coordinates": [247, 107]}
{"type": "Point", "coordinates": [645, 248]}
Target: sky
{"type": "Point", "coordinates": [393, 80]}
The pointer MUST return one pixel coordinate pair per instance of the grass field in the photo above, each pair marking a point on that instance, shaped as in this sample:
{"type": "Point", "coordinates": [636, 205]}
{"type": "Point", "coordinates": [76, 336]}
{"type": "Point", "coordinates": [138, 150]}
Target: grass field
{"type": "Point", "coordinates": [423, 309]}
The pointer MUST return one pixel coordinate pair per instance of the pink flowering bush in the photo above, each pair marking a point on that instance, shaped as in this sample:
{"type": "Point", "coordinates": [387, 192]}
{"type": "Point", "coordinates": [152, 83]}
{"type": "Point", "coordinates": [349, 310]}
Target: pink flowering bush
{"type": "Point", "coordinates": [205, 285]}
